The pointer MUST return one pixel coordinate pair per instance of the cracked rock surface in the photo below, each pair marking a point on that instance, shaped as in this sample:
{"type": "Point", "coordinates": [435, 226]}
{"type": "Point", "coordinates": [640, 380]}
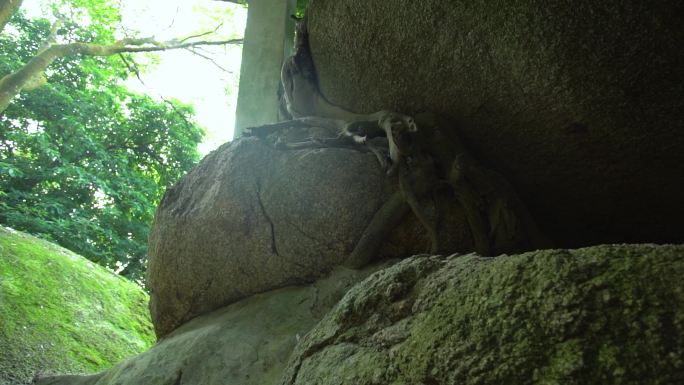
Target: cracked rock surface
{"type": "Point", "coordinates": [251, 218]}
{"type": "Point", "coordinates": [609, 314]}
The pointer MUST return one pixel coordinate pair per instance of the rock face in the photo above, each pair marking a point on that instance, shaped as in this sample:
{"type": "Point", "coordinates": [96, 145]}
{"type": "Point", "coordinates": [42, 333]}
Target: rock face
{"type": "Point", "coordinates": [579, 104]}
{"type": "Point", "coordinates": [251, 218]}
{"type": "Point", "coordinates": [246, 343]}
{"type": "Point", "coordinates": [600, 315]}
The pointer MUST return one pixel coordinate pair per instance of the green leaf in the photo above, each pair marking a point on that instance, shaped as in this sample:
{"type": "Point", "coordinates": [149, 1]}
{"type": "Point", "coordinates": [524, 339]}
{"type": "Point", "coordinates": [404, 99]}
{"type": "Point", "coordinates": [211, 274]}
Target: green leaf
{"type": "Point", "coordinates": [85, 161]}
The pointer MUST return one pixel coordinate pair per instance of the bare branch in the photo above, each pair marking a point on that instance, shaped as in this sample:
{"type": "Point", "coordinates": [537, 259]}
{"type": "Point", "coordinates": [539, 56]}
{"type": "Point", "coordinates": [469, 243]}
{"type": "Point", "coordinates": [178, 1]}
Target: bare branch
{"type": "Point", "coordinates": [54, 29]}
{"type": "Point", "coordinates": [139, 45]}
{"type": "Point", "coordinates": [132, 67]}
{"type": "Point", "coordinates": [195, 52]}
{"type": "Point", "coordinates": [201, 34]}
{"type": "Point", "coordinates": [12, 84]}
{"type": "Point", "coordinates": [173, 21]}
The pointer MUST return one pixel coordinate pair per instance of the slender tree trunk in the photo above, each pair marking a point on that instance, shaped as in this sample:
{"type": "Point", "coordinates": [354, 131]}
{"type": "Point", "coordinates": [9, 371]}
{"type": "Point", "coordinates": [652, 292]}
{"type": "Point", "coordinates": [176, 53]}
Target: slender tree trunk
{"type": "Point", "coordinates": [7, 9]}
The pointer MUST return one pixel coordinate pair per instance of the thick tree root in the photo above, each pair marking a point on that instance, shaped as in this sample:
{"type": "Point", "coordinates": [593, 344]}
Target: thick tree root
{"type": "Point", "coordinates": [421, 154]}
{"type": "Point", "coordinates": [386, 219]}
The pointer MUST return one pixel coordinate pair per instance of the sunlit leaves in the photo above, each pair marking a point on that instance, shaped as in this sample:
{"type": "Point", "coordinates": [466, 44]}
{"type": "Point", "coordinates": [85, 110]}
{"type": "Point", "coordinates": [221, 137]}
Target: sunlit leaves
{"type": "Point", "coordinates": [97, 19]}
{"type": "Point", "coordinates": [301, 7]}
{"type": "Point", "coordinates": [83, 161]}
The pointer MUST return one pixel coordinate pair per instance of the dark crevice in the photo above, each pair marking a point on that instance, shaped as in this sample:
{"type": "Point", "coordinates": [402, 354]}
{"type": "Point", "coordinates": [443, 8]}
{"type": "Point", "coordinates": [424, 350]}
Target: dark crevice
{"type": "Point", "coordinates": [308, 352]}
{"type": "Point", "coordinates": [274, 248]}
{"type": "Point", "coordinates": [179, 377]}
{"type": "Point", "coordinates": [190, 310]}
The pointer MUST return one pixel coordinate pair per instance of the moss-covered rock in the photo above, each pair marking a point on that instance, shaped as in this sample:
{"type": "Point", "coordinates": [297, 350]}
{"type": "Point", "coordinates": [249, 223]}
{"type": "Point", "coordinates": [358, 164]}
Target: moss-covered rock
{"type": "Point", "coordinates": [60, 313]}
{"type": "Point", "coordinates": [600, 315]}
{"type": "Point", "coordinates": [245, 343]}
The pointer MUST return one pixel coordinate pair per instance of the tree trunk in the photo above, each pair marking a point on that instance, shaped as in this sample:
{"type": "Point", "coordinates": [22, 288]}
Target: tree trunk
{"type": "Point", "coordinates": [7, 9]}
{"type": "Point", "coordinates": [12, 84]}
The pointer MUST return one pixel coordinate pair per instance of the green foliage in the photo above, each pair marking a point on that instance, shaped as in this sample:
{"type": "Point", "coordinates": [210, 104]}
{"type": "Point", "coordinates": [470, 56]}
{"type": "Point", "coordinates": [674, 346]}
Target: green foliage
{"type": "Point", "coordinates": [84, 161]}
{"type": "Point", "coordinates": [102, 17]}
{"type": "Point", "coordinates": [60, 313]}
{"type": "Point", "coordinates": [301, 7]}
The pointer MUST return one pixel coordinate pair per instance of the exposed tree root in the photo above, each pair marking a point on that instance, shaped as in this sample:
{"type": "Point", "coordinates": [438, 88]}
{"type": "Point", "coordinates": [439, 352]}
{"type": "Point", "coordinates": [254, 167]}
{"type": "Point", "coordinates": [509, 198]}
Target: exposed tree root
{"type": "Point", "coordinates": [422, 155]}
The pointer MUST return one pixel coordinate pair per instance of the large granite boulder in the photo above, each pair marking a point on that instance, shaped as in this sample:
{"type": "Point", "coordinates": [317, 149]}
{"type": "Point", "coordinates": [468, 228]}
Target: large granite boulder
{"type": "Point", "coordinates": [580, 104]}
{"type": "Point", "coordinates": [246, 343]}
{"type": "Point", "coordinates": [252, 217]}
{"type": "Point", "coordinates": [601, 315]}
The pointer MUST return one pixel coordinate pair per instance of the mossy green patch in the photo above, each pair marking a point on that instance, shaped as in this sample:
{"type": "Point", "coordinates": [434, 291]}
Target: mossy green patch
{"type": "Point", "coordinates": [301, 7]}
{"type": "Point", "coordinates": [610, 314]}
{"type": "Point", "coordinates": [60, 313]}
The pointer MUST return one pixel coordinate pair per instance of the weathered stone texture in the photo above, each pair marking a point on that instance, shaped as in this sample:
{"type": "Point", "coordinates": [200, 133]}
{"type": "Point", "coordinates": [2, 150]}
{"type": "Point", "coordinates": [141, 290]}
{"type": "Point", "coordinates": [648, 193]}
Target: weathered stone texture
{"type": "Point", "coordinates": [580, 104]}
{"type": "Point", "coordinates": [251, 218]}
{"type": "Point", "coordinates": [602, 315]}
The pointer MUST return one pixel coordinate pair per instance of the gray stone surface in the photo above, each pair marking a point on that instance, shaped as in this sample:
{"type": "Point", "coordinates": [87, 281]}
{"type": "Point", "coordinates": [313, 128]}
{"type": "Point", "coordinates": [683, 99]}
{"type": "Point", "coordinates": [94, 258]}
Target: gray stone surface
{"type": "Point", "coordinates": [246, 343]}
{"type": "Point", "coordinates": [610, 314]}
{"type": "Point", "coordinates": [579, 104]}
{"type": "Point", "coordinates": [251, 218]}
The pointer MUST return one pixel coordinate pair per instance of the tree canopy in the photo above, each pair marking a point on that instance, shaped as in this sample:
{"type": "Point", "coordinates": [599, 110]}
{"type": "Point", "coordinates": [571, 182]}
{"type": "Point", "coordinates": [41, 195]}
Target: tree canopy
{"type": "Point", "coordinates": [102, 20]}
{"type": "Point", "coordinates": [84, 161]}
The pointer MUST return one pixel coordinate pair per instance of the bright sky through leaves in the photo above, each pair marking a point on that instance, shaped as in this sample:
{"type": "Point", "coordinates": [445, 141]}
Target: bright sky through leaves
{"type": "Point", "coordinates": [210, 86]}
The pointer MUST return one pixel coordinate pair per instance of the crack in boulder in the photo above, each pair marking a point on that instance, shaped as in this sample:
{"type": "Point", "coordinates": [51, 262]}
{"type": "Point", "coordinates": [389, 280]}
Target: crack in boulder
{"type": "Point", "coordinates": [274, 247]}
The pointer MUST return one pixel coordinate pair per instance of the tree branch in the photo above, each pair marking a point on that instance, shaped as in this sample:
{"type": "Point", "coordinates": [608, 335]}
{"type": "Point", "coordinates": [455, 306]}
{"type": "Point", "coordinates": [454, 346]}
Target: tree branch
{"type": "Point", "coordinates": [7, 9]}
{"type": "Point", "coordinates": [54, 29]}
{"type": "Point", "coordinates": [133, 45]}
{"type": "Point", "coordinates": [133, 68]}
{"type": "Point", "coordinates": [12, 84]}
{"type": "Point", "coordinates": [195, 52]}
{"type": "Point", "coordinates": [201, 34]}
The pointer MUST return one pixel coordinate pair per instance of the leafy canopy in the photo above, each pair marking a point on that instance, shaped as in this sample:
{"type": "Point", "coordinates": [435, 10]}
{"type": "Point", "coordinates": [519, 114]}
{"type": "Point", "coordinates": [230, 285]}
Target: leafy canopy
{"type": "Point", "coordinates": [84, 161]}
{"type": "Point", "coordinates": [301, 7]}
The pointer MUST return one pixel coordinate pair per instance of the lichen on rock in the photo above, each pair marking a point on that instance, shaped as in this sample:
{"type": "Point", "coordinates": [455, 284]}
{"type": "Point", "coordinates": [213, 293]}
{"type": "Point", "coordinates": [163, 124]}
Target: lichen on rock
{"type": "Point", "coordinates": [246, 343]}
{"type": "Point", "coordinates": [601, 315]}
{"type": "Point", "coordinates": [60, 313]}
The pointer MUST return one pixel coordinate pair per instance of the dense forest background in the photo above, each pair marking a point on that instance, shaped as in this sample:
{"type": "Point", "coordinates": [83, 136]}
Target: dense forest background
{"type": "Point", "coordinates": [83, 160]}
